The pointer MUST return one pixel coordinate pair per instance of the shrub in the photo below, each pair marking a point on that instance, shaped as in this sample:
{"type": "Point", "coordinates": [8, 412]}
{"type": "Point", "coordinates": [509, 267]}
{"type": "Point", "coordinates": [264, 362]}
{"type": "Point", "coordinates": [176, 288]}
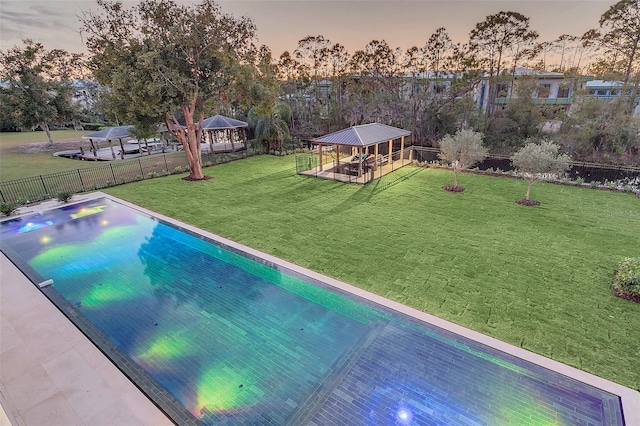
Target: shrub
{"type": "Point", "coordinates": [626, 279]}
{"type": "Point", "coordinates": [177, 169]}
{"type": "Point", "coordinates": [594, 184]}
{"type": "Point", "coordinates": [579, 181]}
{"type": "Point", "coordinates": [64, 196]}
{"type": "Point", "coordinates": [8, 208]}
{"type": "Point", "coordinates": [152, 175]}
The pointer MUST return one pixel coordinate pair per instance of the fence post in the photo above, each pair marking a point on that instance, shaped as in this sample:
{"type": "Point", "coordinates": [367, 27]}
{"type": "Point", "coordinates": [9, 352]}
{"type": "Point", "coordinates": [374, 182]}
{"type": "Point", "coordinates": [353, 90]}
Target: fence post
{"type": "Point", "coordinates": [81, 182]}
{"type": "Point", "coordinates": [113, 174]}
{"type": "Point", "coordinates": [43, 185]}
{"type": "Point", "coordinates": [141, 171]}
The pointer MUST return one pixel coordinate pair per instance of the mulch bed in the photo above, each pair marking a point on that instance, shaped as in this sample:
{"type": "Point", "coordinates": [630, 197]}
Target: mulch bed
{"type": "Point", "coordinates": [528, 202]}
{"type": "Point", "coordinates": [453, 188]}
{"type": "Point", "coordinates": [625, 294]}
{"type": "Point", "coordinates": [190, 179]}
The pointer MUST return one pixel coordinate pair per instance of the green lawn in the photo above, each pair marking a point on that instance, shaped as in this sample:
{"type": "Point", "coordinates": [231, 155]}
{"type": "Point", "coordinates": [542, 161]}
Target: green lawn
{"type": "Point", "coordinates": [536, 277]}
{"type": "Point", "coordinates": [18, 164]}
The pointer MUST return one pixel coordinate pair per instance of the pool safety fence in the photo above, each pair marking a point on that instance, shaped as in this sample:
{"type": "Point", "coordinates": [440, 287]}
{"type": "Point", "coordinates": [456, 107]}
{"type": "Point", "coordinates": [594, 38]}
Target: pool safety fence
{"type": "Point", "coordinates": [109, 174]}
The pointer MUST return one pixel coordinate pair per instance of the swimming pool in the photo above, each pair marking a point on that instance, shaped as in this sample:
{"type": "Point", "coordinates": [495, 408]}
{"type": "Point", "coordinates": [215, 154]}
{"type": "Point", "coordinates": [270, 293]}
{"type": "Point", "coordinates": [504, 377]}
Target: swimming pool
{"type": "Point", "coordinates": [226, 337]}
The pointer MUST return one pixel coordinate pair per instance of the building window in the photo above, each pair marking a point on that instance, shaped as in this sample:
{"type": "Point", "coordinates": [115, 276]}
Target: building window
{"type": "Point", "coordinates": [614, 93]}
{"type": "Point", "coordinates": [543, 90]}
{"type": "Point", "coordinates": [563, 91]}
{"type": "Point", "coordinates": [440, 88]}
{"type": "Point", "coordinates": [502, 90]}
{"type": "Point", "coordinates": [601, 93]}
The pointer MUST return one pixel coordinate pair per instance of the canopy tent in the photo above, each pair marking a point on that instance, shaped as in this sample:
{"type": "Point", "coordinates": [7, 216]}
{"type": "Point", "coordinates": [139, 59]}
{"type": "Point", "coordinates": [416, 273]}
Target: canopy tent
{"type": "Point", "coordinates": [218, 122]}
{"type": "Point", "coordinates": [361, 138]}
{"type": "Point", "coordinates": [224, 130]}
{"type": "Point", "coordinates": [118, 132]}
{"type": "Point", "coordinates": [114, 133]}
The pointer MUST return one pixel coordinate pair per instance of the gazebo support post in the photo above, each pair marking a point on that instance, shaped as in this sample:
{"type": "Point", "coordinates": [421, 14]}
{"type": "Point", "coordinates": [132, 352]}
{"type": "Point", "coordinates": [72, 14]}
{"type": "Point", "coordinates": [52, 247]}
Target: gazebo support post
{"type": "Point", "coordinates": [391, 153]}
{"type": "Point", "coordinates": [233, 148]}
{"type": "Point", "coordinates": [244, 138]}
{"type": "Point", "coordinates": [320, 157]}
{"type": "Point", "coordinates": [338, 158]}
{"type": "Point", "coordinates": [121, 149]}
{"type": "Point", "coordinates": [375, 161]}
{"type": "Point", "coordinates": [93, 148]}
{"type": "Point", "coordinates": [360, 162]}
{"type": "Point", "coordinates": [113, 153]}
{"type": "Point", "coordinates": [402, 150]}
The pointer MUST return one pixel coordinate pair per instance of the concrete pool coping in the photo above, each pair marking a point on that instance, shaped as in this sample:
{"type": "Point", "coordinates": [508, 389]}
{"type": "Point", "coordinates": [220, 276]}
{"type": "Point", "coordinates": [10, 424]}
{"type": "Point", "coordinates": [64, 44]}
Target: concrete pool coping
{"type": "Point", "coordinates": [630, 399]}
{"type": "Point", "coordinates": [51, 373]}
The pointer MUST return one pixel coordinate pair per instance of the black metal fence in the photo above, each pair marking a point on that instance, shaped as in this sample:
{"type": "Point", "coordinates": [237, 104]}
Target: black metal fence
{"type": "Point", "coordinates": [589, 172]}
{"type": "Point", "coordinates": [44, 187]}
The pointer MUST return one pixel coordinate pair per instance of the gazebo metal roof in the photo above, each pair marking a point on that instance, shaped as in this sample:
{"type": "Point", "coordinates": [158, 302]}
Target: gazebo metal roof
{"type": "Point", "coordinates": [362, 136]}
{"type": "Point", "coordinates": [117, 132]}
{"type": "Point", "coordinates": [221, 122]}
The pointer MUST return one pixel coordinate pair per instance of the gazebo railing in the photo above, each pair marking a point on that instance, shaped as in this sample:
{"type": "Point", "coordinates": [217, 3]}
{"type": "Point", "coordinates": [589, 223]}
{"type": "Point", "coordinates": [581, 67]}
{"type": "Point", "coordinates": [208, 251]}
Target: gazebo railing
{"type": "Point", "coordinates": [352, 172]}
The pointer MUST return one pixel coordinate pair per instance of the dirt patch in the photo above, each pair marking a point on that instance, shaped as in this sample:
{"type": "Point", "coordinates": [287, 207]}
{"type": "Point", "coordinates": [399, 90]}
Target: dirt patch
{"type": "Point", "coordinates": [528, 202]}
{"type": "Point", "coordinates": [190, 179]}
{"type": "Point", "coordinates": [453, 188]}
{"type": "Point", "coordinates": [625, 294]}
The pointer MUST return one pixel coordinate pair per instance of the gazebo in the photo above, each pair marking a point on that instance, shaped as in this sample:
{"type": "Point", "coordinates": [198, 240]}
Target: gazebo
{"type": "Point", "coordinates": [362, 153]}
{"type": "Point", "coordinates": [222, 133]}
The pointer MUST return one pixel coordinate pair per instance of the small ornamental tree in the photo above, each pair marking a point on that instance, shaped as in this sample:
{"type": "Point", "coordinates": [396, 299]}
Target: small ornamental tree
{"type": "Point", "coordinates": [535, 159]}
{"type": "Point", "coordinates": [462, 150]}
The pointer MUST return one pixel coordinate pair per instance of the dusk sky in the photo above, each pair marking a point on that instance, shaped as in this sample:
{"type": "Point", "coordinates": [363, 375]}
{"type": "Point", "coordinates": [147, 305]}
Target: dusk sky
{"type": "Point", "coordinates": [281, 24]}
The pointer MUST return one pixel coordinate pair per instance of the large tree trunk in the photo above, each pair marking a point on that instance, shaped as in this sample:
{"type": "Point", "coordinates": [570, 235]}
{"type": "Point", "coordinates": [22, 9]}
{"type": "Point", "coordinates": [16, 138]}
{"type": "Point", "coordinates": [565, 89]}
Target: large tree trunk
{"type": "Point", "coordinates": [189, 138]}
{"type": "Point", "coordinates": [44, 126]}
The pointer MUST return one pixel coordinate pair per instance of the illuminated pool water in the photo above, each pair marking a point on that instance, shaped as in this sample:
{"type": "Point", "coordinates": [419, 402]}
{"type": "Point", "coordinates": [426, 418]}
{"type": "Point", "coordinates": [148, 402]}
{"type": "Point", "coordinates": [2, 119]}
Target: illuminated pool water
{"type": "Point", "coordinates": [238, 340]}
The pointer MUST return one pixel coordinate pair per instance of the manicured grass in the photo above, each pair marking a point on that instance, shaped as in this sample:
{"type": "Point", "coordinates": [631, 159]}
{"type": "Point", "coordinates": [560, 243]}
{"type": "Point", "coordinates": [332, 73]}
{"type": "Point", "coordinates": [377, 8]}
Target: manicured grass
{"type": "Point", "coordinates": [536, 277]}
{"type": "Point", "coordinates": [18, 164]}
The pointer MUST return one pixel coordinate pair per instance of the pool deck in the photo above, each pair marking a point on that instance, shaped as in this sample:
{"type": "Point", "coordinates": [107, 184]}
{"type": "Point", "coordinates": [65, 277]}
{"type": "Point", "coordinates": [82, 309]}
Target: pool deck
{"type": "Point", "coordinates": [50, 373]}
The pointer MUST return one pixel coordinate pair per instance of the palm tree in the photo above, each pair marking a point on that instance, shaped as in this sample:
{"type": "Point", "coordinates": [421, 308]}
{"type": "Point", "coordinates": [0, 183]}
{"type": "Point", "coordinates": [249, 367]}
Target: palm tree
{"type": "Point", "coordinates": [272, 129]}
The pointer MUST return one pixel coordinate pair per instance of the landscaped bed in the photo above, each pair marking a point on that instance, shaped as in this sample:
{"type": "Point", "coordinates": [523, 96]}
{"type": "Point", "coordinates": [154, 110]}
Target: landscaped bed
{"type": "Point", "coordinates": [538, 277]}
